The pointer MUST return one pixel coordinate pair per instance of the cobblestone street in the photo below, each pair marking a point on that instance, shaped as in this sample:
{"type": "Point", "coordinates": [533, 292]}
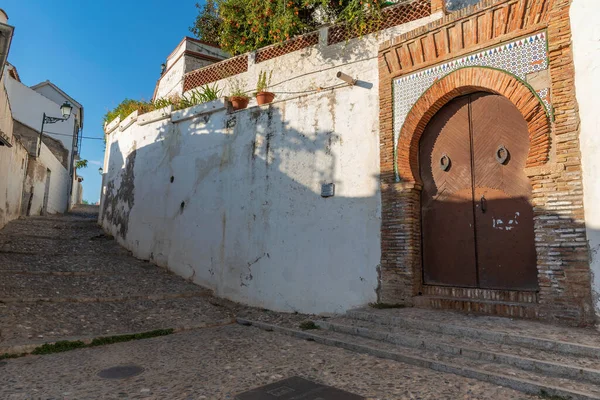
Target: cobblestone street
{"type": "Point", "coordinates": [63, 279]}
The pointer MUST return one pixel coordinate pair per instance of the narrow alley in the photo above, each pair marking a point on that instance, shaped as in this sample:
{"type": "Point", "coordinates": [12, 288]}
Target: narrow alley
{"type": "Point", "coordinates": [63, 279]}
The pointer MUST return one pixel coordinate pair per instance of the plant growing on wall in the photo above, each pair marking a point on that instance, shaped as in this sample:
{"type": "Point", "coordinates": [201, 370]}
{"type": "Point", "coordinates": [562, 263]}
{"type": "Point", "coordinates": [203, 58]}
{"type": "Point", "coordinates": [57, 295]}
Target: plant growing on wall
{"type": "Point", "coordinates": [197, 96]}
{"type": "Point", "coordinates": [81, 164]}
{"type": "Point", "coordinates": [246, 25]}
{"type": "Point", "coordinates": [264, 81]}
{"type": "Point", "coordinates": [237, 94]}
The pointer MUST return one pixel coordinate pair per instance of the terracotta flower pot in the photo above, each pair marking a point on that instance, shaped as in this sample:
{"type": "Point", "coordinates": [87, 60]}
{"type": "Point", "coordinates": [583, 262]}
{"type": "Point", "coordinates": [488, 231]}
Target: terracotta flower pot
{"type": "Point", "coordinates": [264, 98]}
{"type": "Point", "coordinates": [238, 102]}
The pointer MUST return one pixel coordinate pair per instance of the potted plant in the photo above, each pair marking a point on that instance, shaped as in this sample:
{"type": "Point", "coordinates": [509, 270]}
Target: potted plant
{"type": "Point", "coordinates": [262, 95]}
{"type": "Point", "coordinates": [238, 98]}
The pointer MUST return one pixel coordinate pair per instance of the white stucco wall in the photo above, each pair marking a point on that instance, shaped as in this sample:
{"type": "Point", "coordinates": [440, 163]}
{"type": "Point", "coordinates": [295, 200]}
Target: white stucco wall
{"type": "Point", "coordinates": [244, 215]}
{"type": "Point", "coordinates": [58, 198]}
{"type": "Point", "coordinates": [13, 165]}
{"type": "Point", "coordinates": [585, 17]}
{"type": "Point", "coordinates": [28, 107]}
{"type": "Point", "coordinates": [254, 226]}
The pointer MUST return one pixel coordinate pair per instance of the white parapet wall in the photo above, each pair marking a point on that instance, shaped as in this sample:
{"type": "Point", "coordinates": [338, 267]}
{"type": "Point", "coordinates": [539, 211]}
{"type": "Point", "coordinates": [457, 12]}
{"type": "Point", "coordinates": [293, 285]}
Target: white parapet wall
{"type": "Point", "coordinates": [585, 25]}
{"type": "Point", "coordinates": [233, 201]}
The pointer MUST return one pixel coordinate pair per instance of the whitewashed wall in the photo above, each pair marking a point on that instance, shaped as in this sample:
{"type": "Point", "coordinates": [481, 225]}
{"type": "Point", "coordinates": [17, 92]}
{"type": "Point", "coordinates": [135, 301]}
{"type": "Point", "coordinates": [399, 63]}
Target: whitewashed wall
{"type": "Point", "coordinates": [585, 15]}
{"type": "Point", "coordinates": [28, 107]}
{"type": "Point", "coordinates": [13, 165]}
{"type": "Point", "coordinates": [58, 198]}
{"type": "Point", "coordinates": [244, 215]}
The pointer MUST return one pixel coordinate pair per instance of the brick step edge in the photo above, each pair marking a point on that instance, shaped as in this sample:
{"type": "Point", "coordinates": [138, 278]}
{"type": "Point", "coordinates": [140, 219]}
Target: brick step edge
{"type": "Point", "coordinates": [567, 348]}
{"type": "Point", "coordinates": [522, 385]}
{"type": "Point", "coordinates": [29, 347]}
{"type": "Point", "coordinates": [528, 364]}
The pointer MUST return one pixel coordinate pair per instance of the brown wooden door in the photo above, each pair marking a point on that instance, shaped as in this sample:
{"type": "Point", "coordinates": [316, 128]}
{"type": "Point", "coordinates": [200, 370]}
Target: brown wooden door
{"type": "Point", "coordinates": [477, 220]}
{"type": "Point", "coordinates": [447, 198]}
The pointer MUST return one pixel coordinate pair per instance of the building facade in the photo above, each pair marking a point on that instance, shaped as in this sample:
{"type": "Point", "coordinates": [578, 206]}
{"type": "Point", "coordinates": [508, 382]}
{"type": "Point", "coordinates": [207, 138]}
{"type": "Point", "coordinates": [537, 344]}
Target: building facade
{"type": "Point", "coordinates": [456, 157]}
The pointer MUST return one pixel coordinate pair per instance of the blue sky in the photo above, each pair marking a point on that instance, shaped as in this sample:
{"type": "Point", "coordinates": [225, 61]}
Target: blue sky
{"type": "Point", "coordinates": [99, 52]}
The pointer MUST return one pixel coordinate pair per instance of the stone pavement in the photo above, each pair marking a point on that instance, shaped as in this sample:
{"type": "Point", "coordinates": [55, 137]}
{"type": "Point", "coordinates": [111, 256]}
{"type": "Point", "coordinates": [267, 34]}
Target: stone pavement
{"type": "Point", "coordinates": [62, 278]}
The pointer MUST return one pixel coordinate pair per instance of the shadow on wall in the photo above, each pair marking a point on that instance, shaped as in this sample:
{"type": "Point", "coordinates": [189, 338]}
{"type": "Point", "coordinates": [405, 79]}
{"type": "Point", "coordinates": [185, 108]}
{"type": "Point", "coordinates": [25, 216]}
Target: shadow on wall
{"type": "Point", "coordinates": [233, 202]}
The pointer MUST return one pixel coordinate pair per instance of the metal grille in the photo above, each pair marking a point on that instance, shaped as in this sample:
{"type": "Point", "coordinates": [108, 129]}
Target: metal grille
{"type": "Point", "coordinates": [392, 16]}
{"type": "Point", "coordinates": [215, 72]}
{"type": "Point", "coordinates": [280, 49]}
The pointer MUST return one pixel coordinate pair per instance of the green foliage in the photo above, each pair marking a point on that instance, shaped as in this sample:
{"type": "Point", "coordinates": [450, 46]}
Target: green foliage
{"type": "Point", "coordinates": [101, 341]}
{"type": "Point", "coordinates": [207, 26]}
{"type": "Point", "coordinates": [237, 88]}
{"type": "Point", "coordinates": [197, 96]}
{"type": "Point", "coordinates": [246, 25]}
{"type": "Point", "coordinates": [85, 202]}
{"type": "Point", "coordinates": [264, 81]}
{"type": "Point", "coordinates": [58, 347]}
{"type": "Point", "coordinates": [126, 107]}
{"type": "Point", "coordinates": [307, 325]}
{"type": "Point", "coordinates": [7, 356]}
{"type": "Point", "coordinates": [81, 164]}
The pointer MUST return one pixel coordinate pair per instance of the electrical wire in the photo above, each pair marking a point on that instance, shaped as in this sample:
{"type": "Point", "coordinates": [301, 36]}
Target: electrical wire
{"type": "Point", "coordinates": [65, 134]}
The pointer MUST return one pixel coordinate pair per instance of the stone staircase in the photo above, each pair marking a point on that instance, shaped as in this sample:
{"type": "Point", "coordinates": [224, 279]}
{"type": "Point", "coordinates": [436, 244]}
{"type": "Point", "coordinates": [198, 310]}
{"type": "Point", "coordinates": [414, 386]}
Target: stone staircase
{"type": "Point", "coordinates": [532, 357]}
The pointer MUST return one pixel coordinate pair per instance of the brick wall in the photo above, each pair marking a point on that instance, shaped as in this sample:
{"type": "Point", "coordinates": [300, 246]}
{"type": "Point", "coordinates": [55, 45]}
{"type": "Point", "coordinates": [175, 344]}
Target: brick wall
{"type": "Point", "coordinates": [555, 172]}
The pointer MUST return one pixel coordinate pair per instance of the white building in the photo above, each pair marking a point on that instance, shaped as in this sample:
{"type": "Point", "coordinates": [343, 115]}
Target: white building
{"type": "Point", "coordinates": [49, 188]}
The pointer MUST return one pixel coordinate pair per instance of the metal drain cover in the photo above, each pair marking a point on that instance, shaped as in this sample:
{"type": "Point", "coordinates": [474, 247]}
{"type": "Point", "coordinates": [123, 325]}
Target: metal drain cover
{"type": "Point", "coordinates": [297, 388]}
{"type": "Point", "coordinates": [121, 372]}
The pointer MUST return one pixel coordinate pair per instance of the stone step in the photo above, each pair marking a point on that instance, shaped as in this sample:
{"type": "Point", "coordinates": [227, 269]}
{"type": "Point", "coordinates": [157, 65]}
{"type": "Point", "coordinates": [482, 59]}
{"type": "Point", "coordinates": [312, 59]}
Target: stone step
{"type": "Point", "coordinates": [585, 344]}
{"type": "Point", "coordinates": [549, 363]}
{"type": "Point", "coordinates": [500, 374]}
{"type": "Point", "coordinates": [32, 324]}
{"type": "Point", "coordinates": [40, 287]}
{"type": "Point", "coordinates": [478, 306]}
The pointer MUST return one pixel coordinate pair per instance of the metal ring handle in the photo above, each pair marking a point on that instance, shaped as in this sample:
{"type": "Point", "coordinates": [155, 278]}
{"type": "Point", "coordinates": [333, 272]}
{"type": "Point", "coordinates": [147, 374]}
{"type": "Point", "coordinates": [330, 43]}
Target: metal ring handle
{"type": "Point", "coordinates": [445, 163]}
{"type": "Point", "coordinates": [502, 155]}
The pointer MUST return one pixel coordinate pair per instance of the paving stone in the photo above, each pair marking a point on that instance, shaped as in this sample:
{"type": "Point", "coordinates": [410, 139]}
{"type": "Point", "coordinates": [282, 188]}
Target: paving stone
{"type": "Point", "coordinates": [219, 363]}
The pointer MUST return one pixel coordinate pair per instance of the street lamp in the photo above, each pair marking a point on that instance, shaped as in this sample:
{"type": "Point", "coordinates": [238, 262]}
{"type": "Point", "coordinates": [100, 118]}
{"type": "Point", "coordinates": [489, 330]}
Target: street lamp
{"type": "Point", "coordinates": [65, 110]}
{"type": "Point", "coordinates": [100, 171]}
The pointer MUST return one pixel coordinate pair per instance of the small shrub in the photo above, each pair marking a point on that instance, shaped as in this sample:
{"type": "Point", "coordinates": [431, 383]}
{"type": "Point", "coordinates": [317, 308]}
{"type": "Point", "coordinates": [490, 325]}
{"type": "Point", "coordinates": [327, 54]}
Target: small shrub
{"type": "Point", "coordinates": [307, 325]}
{"type": "Point", "coordinates": [126, 107]}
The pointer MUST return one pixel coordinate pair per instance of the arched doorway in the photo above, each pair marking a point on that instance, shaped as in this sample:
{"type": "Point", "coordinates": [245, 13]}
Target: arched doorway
{"type": "Point", "coordinates": [476, 214]}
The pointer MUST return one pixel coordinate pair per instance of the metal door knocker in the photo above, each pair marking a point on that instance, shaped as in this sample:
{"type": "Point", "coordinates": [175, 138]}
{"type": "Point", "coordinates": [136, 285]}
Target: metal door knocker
{"type": "Point", "coordinates": [444, 163]}
{"type": "Point", "coordinates": [502, 155]}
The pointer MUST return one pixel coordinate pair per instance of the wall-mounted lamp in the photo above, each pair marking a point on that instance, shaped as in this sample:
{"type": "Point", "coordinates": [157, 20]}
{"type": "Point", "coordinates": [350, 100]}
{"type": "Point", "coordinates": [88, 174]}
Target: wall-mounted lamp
{"type": "Point", "coordinates": [346, 78]}
{"type": "Point", "coordinates": [163, 67]}
{"type": "Point", "coordinates": [100, 171]}
{"type": "Point", "coordinates": [65, 110]}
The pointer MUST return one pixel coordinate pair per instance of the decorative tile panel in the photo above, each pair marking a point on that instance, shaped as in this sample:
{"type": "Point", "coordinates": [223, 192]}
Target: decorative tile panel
{"type": "Point", "coordinates": [519, 58]}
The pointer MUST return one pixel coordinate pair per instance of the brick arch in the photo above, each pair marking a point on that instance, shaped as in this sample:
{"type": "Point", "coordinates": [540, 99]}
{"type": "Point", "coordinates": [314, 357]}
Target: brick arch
{"type": "Point", "coordinates": [462, 82]}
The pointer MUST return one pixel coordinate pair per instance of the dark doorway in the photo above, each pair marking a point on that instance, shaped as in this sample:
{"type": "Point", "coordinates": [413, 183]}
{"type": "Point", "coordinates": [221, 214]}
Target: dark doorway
{"type": "Point", "coordinates": [46, 192]}
{"type": "Point", "coordinates": [477, 218]}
